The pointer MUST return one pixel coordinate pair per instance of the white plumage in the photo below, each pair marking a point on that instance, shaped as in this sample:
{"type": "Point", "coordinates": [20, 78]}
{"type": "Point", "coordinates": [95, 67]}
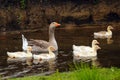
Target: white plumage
{"type": "Point", "coordinates": [21, 54]}
{"type": "Point", "coordinates": [45, 56]}
{"type": "Point", "coordinates": [104, 34]}
{"type": "Point", "coordinates": [86, 51]}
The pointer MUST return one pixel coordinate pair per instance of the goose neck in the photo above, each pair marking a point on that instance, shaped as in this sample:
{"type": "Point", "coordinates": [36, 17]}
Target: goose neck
{"type": "Point", "coordinates": [109, 30]}
{"type": "Point", "coordinates": [94, 48]}
{"type": "Point", "coordinates": [29, 53]}
{"type": "Point", "coordinates": [52, 40]}
{"type": "Point", "coordinates": [93, 44]}
{"type": "Point", "coordinates": [51, 33]}
{"type": "Point", "coordinates": [50, 52]}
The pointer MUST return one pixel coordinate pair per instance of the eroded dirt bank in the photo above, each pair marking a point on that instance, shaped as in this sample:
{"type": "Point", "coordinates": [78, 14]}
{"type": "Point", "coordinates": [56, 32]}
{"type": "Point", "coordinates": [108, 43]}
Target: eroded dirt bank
{"type": "Point", "coordinates": [36, 14]}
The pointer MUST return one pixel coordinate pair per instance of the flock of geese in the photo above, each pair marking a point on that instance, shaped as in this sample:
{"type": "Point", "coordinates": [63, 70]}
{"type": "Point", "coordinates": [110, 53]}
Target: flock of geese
{"type": "Point", "coordinates": [48, 48]}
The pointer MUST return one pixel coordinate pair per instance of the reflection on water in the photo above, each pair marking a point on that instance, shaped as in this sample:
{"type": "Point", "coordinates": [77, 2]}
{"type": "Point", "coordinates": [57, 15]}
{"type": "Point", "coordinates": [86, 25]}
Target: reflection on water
{"type": "Point", "coordinates": [93, 60]}
{"type": "Point", "coordinates": [28, 61]}
{"type": "Point", "coordinates": [108, 38]}
{"type": "Point", "coordinates": [18, 67]}
{"type": "Point", "coordinates": [108, 56]}
{"type": "Point", "coordinates": [109, 41]}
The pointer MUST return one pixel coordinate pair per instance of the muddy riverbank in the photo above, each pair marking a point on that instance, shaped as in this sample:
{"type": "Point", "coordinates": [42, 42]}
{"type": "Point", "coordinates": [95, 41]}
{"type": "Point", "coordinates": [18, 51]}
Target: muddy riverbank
{"type": "Point", "coordinates": [38, 14]}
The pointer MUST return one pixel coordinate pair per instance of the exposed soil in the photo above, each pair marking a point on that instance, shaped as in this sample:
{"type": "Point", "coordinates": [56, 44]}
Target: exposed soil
{"type": "Point", "coordinates": [29, 14]}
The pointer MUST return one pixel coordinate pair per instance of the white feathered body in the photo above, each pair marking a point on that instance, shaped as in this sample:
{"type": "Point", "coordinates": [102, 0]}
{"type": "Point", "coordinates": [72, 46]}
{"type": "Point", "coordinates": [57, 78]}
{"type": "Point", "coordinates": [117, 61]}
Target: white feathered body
{"type": "Point", "coordinates": [44, 56]}
{"type": "Point", "coordinates": [84, 51]}
{"type": "Point", "coordinates": [103, 33]}
{"type": "Point", "coordinates": [19, 54]}
{"type": "Point", "coordinates": [106, 34]}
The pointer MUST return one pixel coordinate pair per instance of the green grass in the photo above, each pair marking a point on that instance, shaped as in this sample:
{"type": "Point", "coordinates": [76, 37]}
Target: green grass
{"type": "Point", "coordinates": [80, 73]}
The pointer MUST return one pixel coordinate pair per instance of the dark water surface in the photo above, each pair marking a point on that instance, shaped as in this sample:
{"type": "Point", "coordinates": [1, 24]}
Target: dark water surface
{"type": "Point", "coordinates": [108, 56]}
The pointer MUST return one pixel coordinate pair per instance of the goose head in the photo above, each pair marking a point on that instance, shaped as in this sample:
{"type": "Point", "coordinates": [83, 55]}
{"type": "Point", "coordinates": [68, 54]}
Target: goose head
{"type": "Point", "coordinates": [109, 27]}
{"type": "Point", "coordinates": [54, 24]}
{"type": "Point", "coordinates": [29, 48]}
{"type": "Point", "coordinates": [95, 42]}
{"type": "Point", "coordinates": [97, 47]}
{"type": "Point", "coordinates": [51, 48]}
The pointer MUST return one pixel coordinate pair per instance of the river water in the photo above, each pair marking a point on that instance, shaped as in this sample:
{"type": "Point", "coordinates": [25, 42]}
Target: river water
{"type": "Point", "coordinates": [108, 55]}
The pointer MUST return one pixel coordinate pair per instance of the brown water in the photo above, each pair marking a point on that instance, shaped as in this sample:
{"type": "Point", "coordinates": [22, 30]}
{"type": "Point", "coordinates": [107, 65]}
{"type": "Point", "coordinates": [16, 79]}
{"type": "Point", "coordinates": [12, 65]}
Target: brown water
{"type": "Point", "coordinates": [108, 56]}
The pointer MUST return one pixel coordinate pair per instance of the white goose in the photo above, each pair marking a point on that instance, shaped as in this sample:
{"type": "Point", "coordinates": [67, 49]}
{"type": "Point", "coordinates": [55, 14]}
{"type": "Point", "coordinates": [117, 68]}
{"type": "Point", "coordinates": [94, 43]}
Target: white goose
{"type": "Point", "coordinates": [103, 34]}
{"type": "Point", "coordinates": [86, 51]}
{"type": "Point", "coordinates": [41, 45]}
{"type": "Point", "coordinates": [77, 48]}
{"type": "Point", "coordinates": [46, 56]}
{"type": "Point", "coordinates": [21, 54]}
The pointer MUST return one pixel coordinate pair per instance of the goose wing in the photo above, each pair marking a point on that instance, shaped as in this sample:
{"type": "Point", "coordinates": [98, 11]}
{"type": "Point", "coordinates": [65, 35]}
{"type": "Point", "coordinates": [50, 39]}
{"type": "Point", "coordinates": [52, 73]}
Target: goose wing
{"type": "Point", "coordinates": [40, 43]}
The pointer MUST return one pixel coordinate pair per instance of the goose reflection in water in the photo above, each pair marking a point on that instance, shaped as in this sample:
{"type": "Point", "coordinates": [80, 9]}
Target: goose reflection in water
{"type": "Point", "coordinates": [92, 60]}
{"type": "Point", "coordinates": [27, 61]}
{"type": "Point", "coordinates": [109, 39]}
{"type": "Point", "coordinates": [51, 63]}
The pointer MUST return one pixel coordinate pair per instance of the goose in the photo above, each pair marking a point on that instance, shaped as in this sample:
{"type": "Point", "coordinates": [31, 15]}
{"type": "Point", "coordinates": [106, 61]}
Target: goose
{"type": "Point", "coordinates": [45, 56]}
{"type": "Point", "coordinates": [41, 45]}
{"type": "Point", "coordinates": [103, 34]}
{"type": "Point", "coordinates": [77, 48]}
{"type": "Point", "coordinates": [86, 52]}
{"type": "Point", "coordinates": [21, 54]}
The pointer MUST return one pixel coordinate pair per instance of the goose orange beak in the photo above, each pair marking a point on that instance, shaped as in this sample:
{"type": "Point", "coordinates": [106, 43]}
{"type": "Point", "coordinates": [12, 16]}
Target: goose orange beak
{"type": "Point", "coordinates": [51, 48]}
{"type": "Point", "coordinates": [112, 28]}
{"type": "Point", "coordinates": [99, 47]}
{"type": "Point", "coordinates": [97, 43]}
{"type": "Point", "coordinates": [57, 24]}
